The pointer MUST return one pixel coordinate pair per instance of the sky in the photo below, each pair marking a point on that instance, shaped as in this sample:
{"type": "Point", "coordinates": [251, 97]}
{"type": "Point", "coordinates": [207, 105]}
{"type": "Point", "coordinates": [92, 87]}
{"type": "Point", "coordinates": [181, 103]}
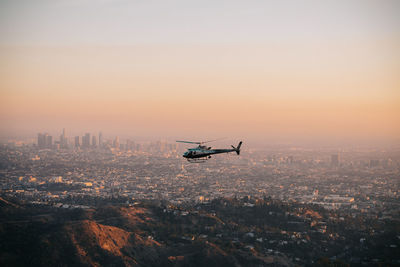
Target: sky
{"type": "Point", "coordinates": [268, 71]}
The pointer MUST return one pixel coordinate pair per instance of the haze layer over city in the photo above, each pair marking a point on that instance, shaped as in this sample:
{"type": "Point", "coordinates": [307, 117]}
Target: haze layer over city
{"type": "Point", "coordinates": [95, 94]}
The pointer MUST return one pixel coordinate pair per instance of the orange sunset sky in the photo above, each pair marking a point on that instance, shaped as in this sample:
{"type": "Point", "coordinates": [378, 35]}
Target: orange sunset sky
{"type": "Point", "coordinates": [283, 71]}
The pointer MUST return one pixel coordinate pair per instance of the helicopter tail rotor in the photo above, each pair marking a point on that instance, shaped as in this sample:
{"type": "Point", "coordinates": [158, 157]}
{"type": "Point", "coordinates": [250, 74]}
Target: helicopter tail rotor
{"type": "Point", "coordinates": [237, 149]}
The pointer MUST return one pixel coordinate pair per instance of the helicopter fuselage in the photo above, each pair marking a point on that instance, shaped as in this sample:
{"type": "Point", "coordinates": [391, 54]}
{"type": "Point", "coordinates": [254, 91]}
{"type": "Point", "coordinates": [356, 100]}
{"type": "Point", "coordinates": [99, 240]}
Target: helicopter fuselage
{"type": "Point", "coordinates": [204, 152]}
{"type": "Point", "coordinates": [198, 152]}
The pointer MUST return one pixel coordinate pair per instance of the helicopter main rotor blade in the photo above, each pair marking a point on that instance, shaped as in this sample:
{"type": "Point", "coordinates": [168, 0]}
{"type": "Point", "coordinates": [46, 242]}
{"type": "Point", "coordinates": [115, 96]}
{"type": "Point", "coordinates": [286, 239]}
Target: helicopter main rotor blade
{"type": "Point", "coordinates": [212, 140]}
{"type": "Point", "coordinates": [199, 143]}
{"type": "Point", "coordinates": [189, 142]}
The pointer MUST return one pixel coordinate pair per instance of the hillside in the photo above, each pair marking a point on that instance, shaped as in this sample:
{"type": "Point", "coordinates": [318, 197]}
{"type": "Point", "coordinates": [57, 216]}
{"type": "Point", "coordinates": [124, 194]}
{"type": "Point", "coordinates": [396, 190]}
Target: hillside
{"type": "Point", "coordinates": [225, 232]}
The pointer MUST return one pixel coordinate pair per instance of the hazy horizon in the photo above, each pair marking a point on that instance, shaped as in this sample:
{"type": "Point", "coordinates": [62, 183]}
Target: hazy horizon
{"type": "Point", "coordinates": [286, 72]}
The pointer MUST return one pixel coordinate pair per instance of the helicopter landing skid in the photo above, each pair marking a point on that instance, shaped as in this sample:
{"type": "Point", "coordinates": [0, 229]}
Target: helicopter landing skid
{"type": "Point", "coordinates": [198, 160]}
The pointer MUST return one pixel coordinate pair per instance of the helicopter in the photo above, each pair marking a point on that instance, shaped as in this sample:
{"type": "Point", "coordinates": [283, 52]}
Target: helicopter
{"type": "Point", "coordinates": [202, 153]}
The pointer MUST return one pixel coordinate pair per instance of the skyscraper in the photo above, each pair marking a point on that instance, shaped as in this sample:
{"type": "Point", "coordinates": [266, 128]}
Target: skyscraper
{"type": "Point", "coordinates": [116, 143]}
{"type": "Point", "coordinates": [100, 139]}
{"type": "Point", "coordinates": [86, 140]}
{"type": "Point", "coordinates": [45, 140]}
{"type": "Point", "coordinates": [41, 140]}
{"type": "Point", "coordinates": [94, 141]}
{"type": "Point", "coordinates": [49, 141]}
{"type": "Point", "coordinates": [77, 144]}
{"type": "Point", "coordinates": [63, 140]}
